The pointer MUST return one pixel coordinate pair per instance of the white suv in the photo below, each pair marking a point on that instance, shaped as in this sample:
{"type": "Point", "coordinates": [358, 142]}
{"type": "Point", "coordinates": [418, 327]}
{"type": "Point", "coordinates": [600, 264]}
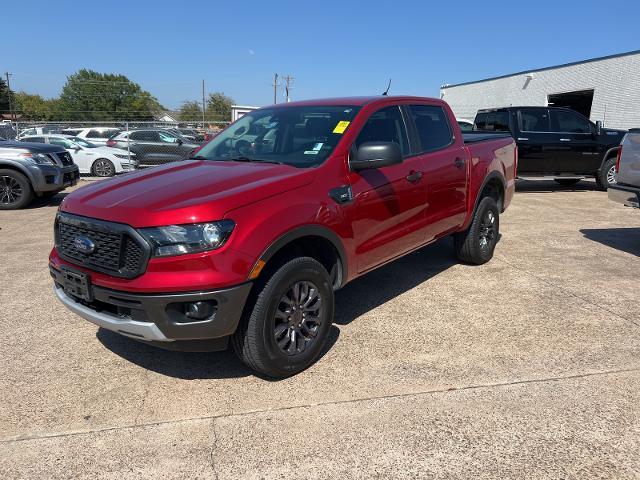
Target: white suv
{"type": "Point", "coordinates": [97, 135]}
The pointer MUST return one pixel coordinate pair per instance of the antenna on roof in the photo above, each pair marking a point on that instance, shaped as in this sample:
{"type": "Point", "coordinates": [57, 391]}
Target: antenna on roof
{"type": "Point", "coordinates": [387, 90]}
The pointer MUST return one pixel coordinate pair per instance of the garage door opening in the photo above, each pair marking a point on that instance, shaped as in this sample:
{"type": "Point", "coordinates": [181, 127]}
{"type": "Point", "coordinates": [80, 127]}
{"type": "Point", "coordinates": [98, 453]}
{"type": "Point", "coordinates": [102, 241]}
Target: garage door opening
{"type": "Point", "coordinates": [579, 101]}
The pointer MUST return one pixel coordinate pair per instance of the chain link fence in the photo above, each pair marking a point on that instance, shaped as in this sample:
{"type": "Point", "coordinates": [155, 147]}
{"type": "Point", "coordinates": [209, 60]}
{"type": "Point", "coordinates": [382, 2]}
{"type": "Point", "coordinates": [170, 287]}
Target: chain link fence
{"type": "Point", "coordinates": [108, 148]}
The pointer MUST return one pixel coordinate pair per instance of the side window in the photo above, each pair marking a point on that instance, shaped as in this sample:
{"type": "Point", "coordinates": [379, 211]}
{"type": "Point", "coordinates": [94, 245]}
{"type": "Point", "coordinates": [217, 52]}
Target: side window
{"type": "Point", "coordinates": [144, 135]}
{"type": "Point", "coordinates": [493, 121]}
{"type": "Point", "coordinates": [569, 122]}
{"type": "Point", "coordinates": [433, 127]}
{"type": "Point", "coordinates": [385, 125]}
{"type": "Point", "coordinates": [534, 120]}
{"type": "Point", "coordinates": [167, 137]}
{"type": "Point", "coordinates": [93, 134]}
{"type": "Point", "coordinates": [61, 141]}
{"type": "Point", "coordinates": [35, 139]}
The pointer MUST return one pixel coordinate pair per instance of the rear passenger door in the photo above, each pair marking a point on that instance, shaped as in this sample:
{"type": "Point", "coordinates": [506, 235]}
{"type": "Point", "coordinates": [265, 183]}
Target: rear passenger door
{"type": "Point", "coordinates": [539, 150]}
{"type": "Point", "coordinates": [444, 160]}
{"type": "Point", "coordinates": [575, 131]}
{"type": "Point", "coordinates": [145, 144]}
{"type": "Point", "coordinates": [388, 211]}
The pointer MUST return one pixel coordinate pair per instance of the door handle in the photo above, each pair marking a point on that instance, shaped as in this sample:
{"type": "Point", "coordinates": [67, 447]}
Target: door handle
{"type": "Point", "coordinates": [458, 162]}
{"type": "Point", "coordinates": [565, 139]}
{"type": "Point", "coordinates": [414, 176]}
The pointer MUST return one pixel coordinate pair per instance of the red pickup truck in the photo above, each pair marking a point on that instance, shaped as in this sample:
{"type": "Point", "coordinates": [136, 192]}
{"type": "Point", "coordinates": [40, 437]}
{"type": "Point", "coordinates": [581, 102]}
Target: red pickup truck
{"type": "Point", "coordinates": [248, 240]}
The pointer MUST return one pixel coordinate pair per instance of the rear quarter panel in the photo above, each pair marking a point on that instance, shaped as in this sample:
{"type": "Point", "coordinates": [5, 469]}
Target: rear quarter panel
{"type": "Point", "coordinates": [629, 169]}
{"type": "Point", "coordinates": [489, 159]}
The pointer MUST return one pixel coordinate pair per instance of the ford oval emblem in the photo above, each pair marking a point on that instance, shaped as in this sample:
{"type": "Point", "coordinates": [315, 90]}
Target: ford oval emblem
{"type": "Point", "coordinates": [84, 245]}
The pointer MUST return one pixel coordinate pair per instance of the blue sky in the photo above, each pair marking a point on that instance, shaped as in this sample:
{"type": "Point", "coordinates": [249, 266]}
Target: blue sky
{"type": "Point", "coordinates": [332, 48]}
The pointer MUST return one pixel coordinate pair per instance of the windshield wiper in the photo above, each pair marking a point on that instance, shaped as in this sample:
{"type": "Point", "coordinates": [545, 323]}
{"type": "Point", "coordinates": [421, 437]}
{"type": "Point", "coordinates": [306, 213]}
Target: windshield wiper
{"type": "Point", "coordinates": [198, 157]}
{"type": "Point", "coordinates": [247, 159]}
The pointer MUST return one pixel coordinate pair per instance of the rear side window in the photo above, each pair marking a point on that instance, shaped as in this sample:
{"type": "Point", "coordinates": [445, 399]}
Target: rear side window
{"type": "Point", "coordinates": [569, 122]}
{"type": "Point", "coordinates": [145, 136]}
{"type": "Point", "coordinates": [432, 126]}
{"type": "Point", "coordinates": [492, 121]}
{"type": "Point", "coordinates": [534, 120]}
{"type": "Point", "coordinates": [385, 125]}
{"type": "Point", "coordinates": [100, 133]}
{"type": "Point", "coordinates": [35, 139]}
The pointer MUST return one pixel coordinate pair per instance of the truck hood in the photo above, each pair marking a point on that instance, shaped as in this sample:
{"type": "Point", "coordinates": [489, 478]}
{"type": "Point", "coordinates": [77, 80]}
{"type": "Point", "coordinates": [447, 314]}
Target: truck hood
{"type": "Point", "coordinates": [31, 147]}
{"type": "Point", "coordinates": [183, 192]}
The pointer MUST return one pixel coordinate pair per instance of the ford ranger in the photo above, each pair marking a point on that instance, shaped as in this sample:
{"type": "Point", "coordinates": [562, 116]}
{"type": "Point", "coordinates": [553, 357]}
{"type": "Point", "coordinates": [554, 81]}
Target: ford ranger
{"type": "Point", "coordinates": [247, 241]}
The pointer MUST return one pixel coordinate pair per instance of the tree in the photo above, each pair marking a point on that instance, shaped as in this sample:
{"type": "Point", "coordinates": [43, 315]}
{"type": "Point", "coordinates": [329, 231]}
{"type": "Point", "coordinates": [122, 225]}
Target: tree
{"type": "Point", "coordinates": [34, 107]}
{"type": "Point", "coordinates": [4, 97]}
{"type": "Point", "coordinates": [219, 107]}
{"type": "Point", "coordinates": [190, 111]}
{"type": "Point", "coordinates": [90, 95]}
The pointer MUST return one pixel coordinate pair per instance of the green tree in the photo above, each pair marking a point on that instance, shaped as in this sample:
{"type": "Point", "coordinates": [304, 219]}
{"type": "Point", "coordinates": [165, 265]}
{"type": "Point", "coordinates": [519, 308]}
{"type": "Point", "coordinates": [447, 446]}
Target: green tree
{"type": "Point", "coordinates": [219, 107]}
{"type": "Point", "coordinates": [34, 107]}
{"type": "Point", "coordinates": [4, 97]}
{"type": "Point", "coordinates": [90, 95]}
{"type": "Point", "coordinates": [190, 111]}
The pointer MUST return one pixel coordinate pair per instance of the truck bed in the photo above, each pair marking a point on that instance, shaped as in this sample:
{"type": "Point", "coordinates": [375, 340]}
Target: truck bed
{"type": "Point", "coordinates": [475, 137]}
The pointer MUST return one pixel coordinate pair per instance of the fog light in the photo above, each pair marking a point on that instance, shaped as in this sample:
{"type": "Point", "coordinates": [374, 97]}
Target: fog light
{"type": "Point", "coordinates": [199, 310]}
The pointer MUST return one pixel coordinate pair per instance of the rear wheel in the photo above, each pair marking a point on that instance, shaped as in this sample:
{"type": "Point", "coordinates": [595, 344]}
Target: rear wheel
{"type": "Point", "coordinates": [103, 168]}
{"type": "Point", "coordinates": [477, 243]}
{"type": "Point", "coordinates": [607, 174]}
{"type": "Point", "coordinates": [15, 190]}
{"type": "Point", "coordinates": [567, 182]}
{"type": "Point", "coordinates": [288, 324]}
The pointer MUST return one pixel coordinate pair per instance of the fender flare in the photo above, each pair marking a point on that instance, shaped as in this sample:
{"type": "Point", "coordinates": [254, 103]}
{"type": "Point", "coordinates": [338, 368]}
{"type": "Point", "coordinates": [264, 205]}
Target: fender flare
{"type": "Point", "coordinates": [607, 155]}
{"type": "Point", "coordinates": [308, 231]}
{"type": "Point", "coordinates": [11, 165]}
{"type": "Point", "coordinates": [495, 174]}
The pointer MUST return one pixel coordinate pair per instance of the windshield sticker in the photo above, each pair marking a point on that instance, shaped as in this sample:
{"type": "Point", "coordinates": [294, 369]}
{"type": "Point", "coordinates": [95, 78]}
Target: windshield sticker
{"type": "Point", "coordinates": [341, 126]}
{"type": "Point", "coordinates": [318, 146]}
{"type": "Point", "coordinates": [311, 152]}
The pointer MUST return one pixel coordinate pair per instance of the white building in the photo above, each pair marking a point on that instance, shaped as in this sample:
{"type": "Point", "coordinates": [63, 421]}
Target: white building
{"type": "Point", "coordinates": [605, 88]}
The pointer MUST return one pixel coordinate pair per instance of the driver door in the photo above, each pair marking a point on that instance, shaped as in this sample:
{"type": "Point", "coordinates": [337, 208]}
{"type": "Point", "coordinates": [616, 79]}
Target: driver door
{"type": "Point", "coordinates": [388, 214]}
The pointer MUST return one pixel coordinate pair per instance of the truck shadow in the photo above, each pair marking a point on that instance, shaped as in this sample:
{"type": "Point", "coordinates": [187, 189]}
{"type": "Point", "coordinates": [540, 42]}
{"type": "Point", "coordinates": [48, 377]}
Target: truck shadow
{"type": "Point", "coordinates": [623, 239]}
{"type": "Point", "coordinates": [54, 201]}
{"type": "Point", "coordinates": [550, 186]}
{"type": "Point", "coordinates": [354, 300]}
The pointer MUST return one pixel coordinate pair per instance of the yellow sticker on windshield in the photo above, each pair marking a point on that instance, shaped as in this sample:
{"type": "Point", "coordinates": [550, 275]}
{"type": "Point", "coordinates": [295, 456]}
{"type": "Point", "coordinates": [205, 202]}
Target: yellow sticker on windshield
{"type": "Point", "coordinates": [341, 126]}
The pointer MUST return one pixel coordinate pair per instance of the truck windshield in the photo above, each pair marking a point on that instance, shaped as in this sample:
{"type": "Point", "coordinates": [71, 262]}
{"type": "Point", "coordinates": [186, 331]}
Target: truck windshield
{"type": "Point", "coordinates": [301, 136]}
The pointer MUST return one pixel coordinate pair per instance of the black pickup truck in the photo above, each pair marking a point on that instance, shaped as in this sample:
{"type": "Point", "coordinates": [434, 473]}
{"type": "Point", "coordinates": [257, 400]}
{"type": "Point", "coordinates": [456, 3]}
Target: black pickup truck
{"type": "Point", "coordinates": [557, 142]}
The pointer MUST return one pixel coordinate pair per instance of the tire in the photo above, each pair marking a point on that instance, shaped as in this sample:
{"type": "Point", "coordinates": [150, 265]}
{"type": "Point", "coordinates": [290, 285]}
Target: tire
{"type": "Point", "coordinates": [607, 174]}
{"type": "Point", "coordinates": [15, 190]}
{"type": "Point", "coordinates": [274, 343]}
{"type": "Point", "coordinates": [103, 168]}
{"type": "Point", "coordinates": [567, 182]}
{"type": "Point", "coordinates": [477, 243]}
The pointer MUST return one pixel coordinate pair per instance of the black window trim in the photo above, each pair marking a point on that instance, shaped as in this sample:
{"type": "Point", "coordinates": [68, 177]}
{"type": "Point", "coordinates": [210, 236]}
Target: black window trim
{"type": "Point", "coordinates": [550, 131]}
{"type": "Point", "coordinates": [590, 132]}
{"type": "Point", "coordinates": [415, 129]}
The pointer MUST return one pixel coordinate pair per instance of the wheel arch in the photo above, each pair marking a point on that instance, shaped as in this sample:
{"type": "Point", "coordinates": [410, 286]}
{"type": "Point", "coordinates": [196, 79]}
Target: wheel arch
{"type": "Point", "coordinates": [494, 185]}
{"type": "Point", "coordinates": [18, 168]}
{"type": "Point", "coordinates": [612, 152]}
{"type": "Point", "coordinates": [316, 241]}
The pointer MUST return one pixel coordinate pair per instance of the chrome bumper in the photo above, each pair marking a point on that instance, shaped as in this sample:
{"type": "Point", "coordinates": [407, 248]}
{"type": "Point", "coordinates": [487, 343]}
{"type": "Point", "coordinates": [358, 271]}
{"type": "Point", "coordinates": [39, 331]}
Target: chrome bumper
{"type": "Point", "coordinates": [131, 328]}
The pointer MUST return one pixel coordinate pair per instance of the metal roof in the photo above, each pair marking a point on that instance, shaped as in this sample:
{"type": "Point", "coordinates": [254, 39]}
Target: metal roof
{"type": "Point", "coordinates": [597, 59]}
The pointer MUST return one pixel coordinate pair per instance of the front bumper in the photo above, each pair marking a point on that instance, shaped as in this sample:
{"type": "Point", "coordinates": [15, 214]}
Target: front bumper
{"type": "Point", "coordinates": [52, 178]}
{"type": "Point", "coordinates": [627, 195]}
{"type": "Point", "coordinates": [158, 318]}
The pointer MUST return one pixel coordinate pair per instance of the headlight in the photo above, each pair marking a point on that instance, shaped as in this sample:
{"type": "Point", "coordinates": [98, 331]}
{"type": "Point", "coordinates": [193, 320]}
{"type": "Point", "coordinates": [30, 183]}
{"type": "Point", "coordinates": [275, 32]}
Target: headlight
{"type": "Point", "coordinates": [124, 155]}
{"type": "Point", "coordinates": [181, 239]}
{"type": "Point", "coordinates": [38, 158]}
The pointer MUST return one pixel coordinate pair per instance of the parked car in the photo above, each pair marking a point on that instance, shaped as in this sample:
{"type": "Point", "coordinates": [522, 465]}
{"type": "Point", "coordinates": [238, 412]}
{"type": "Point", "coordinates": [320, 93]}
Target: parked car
{"type": "Point", "coordinates": [153, 146]}
{"type": "Point", "coordinates": [91, 158]}
{"type": "Point", "coordinates": [465, 125]}
{"type": "Point", "coordinates": [29, 170]}
{"type": "Point", "coordinates": [71, 131]}
{"type": "Point", "coordinates": [557, 142]}
{"type": "Point", "coordinates": [627, 187]}
{"type": "Point", "coordinates": [42, 130]}
{"type": "Point", "coordinates": [98, 135]}
{"type": "Point", "coordinates": [250, 247]}
{"type": "Point", "coordinates": [192, 133]}
{"type": "Point", "coordinates": [179, 134]}
{"type": "Point", "coordinates": [6, 131]}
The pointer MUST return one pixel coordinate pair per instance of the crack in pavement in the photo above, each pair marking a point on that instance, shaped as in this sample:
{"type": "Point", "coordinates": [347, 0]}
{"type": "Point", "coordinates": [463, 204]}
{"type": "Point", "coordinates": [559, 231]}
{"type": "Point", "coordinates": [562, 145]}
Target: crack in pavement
{"type": "Point", "coordinates": [454, 389]}
{"type": "Point", "coordinates": [214, 445]}
{"type": "Point", "coordinates": [569, 292]}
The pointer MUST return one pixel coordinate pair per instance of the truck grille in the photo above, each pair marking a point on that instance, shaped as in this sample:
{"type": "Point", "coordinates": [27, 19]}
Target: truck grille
{"type": "Point", "coordinates": [115, 248]}
{"type": "Point", "coordinates": [65, 158]}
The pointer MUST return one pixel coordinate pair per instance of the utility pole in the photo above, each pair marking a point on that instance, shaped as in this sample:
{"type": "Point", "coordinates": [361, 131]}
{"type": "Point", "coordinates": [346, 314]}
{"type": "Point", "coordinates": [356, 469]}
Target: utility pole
{"type": "Point", "coordinates": [7, 75]}
{"type": "Point", "coordinates": [275, 88]}
{"type": "Point", "coordinates": [288, 79]}
{"type": "Point", "coordinates": [203, 104]}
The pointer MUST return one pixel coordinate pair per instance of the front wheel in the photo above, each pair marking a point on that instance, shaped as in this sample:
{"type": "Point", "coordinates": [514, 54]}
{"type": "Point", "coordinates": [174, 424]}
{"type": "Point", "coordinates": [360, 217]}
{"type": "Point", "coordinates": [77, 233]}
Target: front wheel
{"type": "Point", "coordinates": [476, 244]}
{"type": "Point", "coordinates": [103, 168]}
{"type": "Point", "coordinates": [607, 175]}
{"type": "Point", "coordinates": [287, 326]}
{"type": "Point", "coordinates": [15, 190]}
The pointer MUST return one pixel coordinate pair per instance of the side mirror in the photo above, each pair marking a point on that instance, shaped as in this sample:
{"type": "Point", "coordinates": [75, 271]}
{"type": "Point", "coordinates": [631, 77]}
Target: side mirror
{"type": "Point", "coordinates": [376, 155]}
{"type": "Point", "coordinates": [179, 141]}
{"type": "Point", "coordinates": [598, 127]}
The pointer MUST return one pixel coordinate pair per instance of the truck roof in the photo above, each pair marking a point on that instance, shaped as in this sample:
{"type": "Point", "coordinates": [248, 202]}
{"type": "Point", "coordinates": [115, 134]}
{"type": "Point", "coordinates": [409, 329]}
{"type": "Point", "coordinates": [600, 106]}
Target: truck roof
{"type": "Point", "coordinates": [497, 109]}
{"type": "Point", "coordinates": [355, 101]}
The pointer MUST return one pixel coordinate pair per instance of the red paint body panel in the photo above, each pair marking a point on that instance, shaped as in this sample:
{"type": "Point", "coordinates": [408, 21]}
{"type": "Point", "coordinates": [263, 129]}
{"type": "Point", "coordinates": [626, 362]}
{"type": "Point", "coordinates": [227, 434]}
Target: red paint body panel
{"type": "Point", "coordinates": [388, 216]}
